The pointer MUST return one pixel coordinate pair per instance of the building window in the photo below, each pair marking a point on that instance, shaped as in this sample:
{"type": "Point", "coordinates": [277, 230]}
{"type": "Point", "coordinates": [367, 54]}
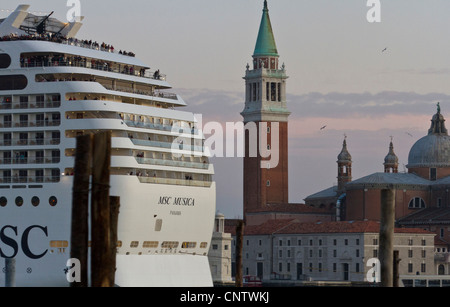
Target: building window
{"type": "Point", "coordinates": [410, 267]}
{"type": "Point", "coordinates": [268, 183]}
{"type": "Point", "coordinates": [423, 268]}
{"type": "Point", "coordinates": [439, 202]}
{"type": "Point", "coordinates": [410, 253]}
{"type": "Point", "coordinates": [433, 174]}
{"type": "Point", "coordinates": [441, 232]}
{"type": "Point", "coordinates": [416, 202]}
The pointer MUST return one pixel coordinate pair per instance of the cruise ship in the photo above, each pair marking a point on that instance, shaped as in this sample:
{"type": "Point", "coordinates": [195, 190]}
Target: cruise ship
{"type": "Point", "coordinates": [55, 87]}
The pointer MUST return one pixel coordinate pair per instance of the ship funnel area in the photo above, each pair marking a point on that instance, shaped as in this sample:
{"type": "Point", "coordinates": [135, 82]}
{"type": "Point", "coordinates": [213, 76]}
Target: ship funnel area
{"type": "Point", "coordinates": [21, 22]}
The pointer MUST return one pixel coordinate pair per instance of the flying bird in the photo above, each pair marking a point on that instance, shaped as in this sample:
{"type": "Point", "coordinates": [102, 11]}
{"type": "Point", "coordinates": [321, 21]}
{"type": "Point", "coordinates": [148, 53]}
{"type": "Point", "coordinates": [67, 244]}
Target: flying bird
{"type": "Point", "coordinates": [409, 134]}
{"type": "Point", "coordinates": [322, 127]}
{"type": "Point", "coordinates": [384, 49]}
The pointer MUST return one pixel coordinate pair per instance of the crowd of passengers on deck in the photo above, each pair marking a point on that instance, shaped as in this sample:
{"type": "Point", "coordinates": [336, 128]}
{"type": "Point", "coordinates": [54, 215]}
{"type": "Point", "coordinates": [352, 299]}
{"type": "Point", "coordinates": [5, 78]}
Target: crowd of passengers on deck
{"type": "Point", "coordinates": [55, 38]}
{"type": "Point", "coordinates": [77, 61]}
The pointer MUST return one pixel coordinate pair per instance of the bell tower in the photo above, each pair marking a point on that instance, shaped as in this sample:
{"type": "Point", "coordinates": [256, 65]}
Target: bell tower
{"type": "Point", "coordinates": [266, 115]}
{"type": "Point", "coordinates": [344, 162]}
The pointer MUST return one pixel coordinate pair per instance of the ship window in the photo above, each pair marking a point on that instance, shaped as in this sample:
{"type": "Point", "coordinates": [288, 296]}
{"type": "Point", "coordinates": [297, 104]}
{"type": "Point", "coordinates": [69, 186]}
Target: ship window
{"type": "Point", "coordinates": [134, 244]}
{"type": "Point", "coordinates": [189, 245]}
{"type": "Point", "coordinates": [3, 201]}
{"type": "Point", "coordinates": [19, 201]}
{"type": "Point", "coordinates": [5, 60]}
{"type": "Point", "coordinates": [169, 244]}
{"type": "Point", "coordinates": [13, 82]}
{"type": "Point", "coordinates": [150, 244]}
{"type": "Point", "coordinates": [203, 244]}
{"type": "Point", "coordinates": [52, 201]}
{"type": "Point", "coordinates": [35, 201]}
{"type": "Point", "coordinates": [59, 243]}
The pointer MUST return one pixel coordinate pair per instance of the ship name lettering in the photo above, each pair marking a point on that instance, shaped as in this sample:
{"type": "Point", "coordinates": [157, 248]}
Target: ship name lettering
{"type": "Point", "coordinates": [164, 200]}
{"type": "Point", "coordinates": [184, 201]}
{"type": "Point", "coordinates": [7, 234]}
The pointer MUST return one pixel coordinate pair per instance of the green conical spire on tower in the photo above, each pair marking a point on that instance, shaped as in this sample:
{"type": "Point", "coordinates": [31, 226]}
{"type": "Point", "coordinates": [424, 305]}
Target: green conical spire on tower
{"type": "Point", "coordinates": [265, 44]}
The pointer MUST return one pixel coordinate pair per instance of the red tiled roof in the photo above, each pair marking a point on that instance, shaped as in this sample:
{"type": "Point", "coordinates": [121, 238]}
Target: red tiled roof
{"type": "Point", "coordinates": [293, 226]}
{"type": "Point", "coordinates": [288, 207]}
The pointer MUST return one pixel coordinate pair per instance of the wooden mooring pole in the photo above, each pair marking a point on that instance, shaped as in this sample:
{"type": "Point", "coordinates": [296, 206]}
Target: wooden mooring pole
{"type": "Point", "coordinates": [100, 211]}
{"type": "Point", "coordinates": [80, 207]}
{"type": "Point", "coordinates": [387, 220]}
{"type": "Point", "coordinates": [239, 245]}
{"type": "Point", "coordinates": [114, 219]}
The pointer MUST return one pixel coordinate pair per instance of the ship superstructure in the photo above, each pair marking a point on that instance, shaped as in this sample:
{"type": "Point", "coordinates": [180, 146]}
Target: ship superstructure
{"type": "Point", "coordinates": [55, 87]}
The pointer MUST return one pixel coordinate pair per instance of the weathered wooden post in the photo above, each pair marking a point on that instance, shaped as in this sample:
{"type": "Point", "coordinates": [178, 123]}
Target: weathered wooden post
{"type": "Point", "coordinates": [100, 211]}
{"type": "Point", "coordinates": [239, 245]}
{"type": "Point", "coordinates": [10, 272]}
{"type": "Point", "coordinates": [387, 220]}
{"type": "Point", "coordinates": [114, 219]}
{"type": "Point", "coordinates": [80, 207]}
{"type": "Point", "coordinates": [396, 274]}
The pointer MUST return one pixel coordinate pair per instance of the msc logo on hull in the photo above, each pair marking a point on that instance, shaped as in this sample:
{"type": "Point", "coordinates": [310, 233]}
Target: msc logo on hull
{"type": "Point", "coordinates": [9, 235]}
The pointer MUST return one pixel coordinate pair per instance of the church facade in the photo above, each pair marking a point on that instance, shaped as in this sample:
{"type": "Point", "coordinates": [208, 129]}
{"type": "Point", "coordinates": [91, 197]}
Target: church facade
{"type": "Point", "coordinates": [422, 197]}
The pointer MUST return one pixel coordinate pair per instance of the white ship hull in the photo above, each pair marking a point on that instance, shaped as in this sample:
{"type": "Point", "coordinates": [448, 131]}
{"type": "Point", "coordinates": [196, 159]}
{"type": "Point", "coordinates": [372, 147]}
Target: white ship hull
{"type": "Point", "coordinates": [139, 210]}
{"type": "Point", "coordinates": [54, 88]}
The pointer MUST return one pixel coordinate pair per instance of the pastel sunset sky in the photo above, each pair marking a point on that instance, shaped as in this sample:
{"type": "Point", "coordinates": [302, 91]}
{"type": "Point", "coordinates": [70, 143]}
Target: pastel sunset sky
{"type": "Point", "coordinates": [339, 75]}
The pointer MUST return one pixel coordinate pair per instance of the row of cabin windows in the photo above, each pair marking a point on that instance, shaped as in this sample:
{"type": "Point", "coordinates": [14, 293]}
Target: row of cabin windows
{"type": "Point", "coordinates": [35, 201]}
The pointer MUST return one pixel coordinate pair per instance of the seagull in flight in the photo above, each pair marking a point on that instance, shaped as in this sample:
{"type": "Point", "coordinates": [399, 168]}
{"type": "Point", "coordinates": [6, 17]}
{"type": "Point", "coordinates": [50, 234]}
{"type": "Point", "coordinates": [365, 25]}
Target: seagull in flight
{"type": "Point", "coordinates": [409, 134]}
{"type": "Point", "coordinates": [322, 127]}
{"type": "Point", "coordinates": [384, 49]}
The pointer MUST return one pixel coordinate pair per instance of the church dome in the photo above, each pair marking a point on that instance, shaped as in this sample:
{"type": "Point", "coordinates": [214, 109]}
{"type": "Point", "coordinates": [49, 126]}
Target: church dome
{"type": "Point", "coordinates": [433, 150]}
{"type": "Point", "coordinates": [344, 155]}
{"type": "Point", "coordinates": [391, 157]}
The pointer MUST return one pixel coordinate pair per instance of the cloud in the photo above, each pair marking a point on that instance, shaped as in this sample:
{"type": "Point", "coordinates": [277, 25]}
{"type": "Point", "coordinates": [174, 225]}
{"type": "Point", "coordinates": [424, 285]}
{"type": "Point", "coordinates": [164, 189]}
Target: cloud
{"type": "Point", "coordinates": [368, 119]}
